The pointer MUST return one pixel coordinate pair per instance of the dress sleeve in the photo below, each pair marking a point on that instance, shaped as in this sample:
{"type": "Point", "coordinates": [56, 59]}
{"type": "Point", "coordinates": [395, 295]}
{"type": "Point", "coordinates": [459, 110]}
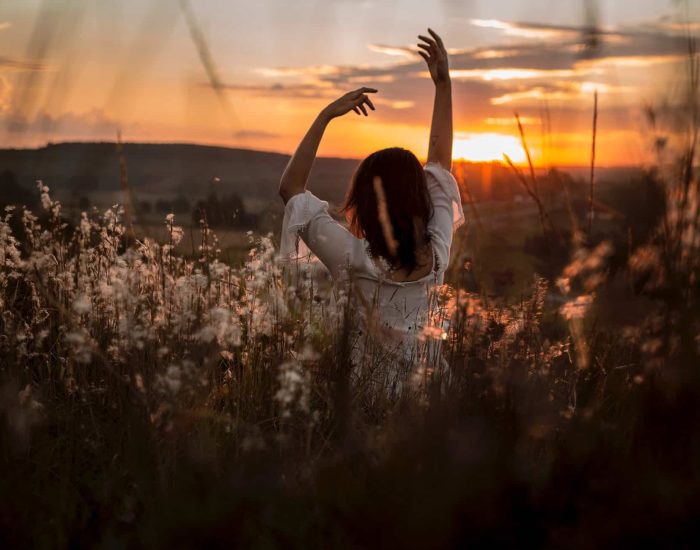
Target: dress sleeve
{"type": "Point", "coordinates": [448, 214]}
{"type": "Point", "coordinates": [308, 227]}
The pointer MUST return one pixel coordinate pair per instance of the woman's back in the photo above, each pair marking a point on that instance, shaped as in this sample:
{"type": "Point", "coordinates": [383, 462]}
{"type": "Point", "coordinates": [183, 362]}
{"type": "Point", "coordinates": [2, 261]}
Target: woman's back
{"type": "Point", "coordinates": [398, 309]}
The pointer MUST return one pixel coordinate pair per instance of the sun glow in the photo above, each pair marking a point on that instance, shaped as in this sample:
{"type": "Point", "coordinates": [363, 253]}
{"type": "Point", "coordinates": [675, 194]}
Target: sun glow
{"type": "Point", "coordinates": [487, 147]}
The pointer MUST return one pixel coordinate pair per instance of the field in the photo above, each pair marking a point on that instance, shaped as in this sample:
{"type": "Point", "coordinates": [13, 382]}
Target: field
{"type": "Point", "coordinates": [153, 394]}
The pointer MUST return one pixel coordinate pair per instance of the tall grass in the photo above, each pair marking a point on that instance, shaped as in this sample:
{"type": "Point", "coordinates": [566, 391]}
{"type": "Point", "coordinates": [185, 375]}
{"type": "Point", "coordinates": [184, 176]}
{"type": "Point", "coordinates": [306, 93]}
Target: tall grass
{"type": "Point", "coordinates": [153, 400]}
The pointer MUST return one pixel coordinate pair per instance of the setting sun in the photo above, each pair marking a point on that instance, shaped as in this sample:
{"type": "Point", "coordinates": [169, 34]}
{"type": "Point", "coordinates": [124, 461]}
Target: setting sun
{"type": "Point", "coordinates": [487, 147]}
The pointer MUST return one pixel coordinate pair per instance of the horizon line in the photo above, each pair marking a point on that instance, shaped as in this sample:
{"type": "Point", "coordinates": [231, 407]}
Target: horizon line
{"type": "Point", "coordinates": [266, 151]}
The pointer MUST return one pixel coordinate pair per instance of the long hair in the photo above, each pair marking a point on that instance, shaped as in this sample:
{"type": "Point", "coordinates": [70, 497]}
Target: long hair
{"type": "Point", "coordinates": [388, 204]}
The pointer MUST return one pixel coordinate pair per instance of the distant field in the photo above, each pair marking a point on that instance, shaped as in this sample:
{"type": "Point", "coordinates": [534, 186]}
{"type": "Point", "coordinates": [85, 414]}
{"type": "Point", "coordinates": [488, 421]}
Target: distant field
{"type": "Point", "coordinates": [503, 228]}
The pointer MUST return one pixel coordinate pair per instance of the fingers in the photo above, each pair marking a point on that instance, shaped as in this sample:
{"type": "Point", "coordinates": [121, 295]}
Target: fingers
{"type": "Point", "coordinates": [428, 40]}
{"type": "Point", "coordinates": [357, 93]}
{"type": "Point", "coordinates": [359, 101]}
{"type": "Point", "coordinates": [437, 38]}
{"type": "Point", "coordinates": [424, 56]}
{"type": "Point", "coordinates": [426, 48]}
{"type": "Point", "coordinates": [360, 104]}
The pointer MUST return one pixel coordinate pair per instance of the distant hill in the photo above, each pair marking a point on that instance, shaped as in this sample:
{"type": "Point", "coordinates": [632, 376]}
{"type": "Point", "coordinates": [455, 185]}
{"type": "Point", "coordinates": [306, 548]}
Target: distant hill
{"type": "Point", "coordinates": [189, 171]}
{"type": "Point", "coordinates": [167, 169]}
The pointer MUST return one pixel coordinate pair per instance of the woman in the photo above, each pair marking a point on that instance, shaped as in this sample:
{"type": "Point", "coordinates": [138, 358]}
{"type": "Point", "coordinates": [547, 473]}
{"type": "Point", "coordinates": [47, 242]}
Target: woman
{"type": "Point", "coordinates": [401, 218]}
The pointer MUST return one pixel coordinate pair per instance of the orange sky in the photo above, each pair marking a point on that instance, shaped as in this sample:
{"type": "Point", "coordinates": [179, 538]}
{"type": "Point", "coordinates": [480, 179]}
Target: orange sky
{"type": "Point", "coordinates": [254, 74]}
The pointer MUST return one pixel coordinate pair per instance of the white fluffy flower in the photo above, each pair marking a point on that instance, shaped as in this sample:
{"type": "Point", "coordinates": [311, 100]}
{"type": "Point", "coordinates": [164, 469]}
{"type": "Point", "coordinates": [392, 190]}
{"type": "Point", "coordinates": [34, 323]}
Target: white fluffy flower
{"type": "Point", "coordinates": [294, 387]}
{"type": "Point", "coordinates": [82, 305]}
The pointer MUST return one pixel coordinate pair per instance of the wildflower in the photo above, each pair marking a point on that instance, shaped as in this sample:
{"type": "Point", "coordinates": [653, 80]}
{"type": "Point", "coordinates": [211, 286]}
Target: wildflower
{"type": "Point", "coordinates": [433, 332]}
{"type": "Point", "coordinates": [645, 258]}
{"type": "Point", "coordinates": [221, 325]}
{"type": "Point", "coordinates": [172, 379]}
{"type": "Point", "coordinates": [308, 354]}
{"type": "Point", "coordinates": [577, 308]}
{"type": "Point", "coordinates": [564, 284]}
{"type": "Point", "coordinates": [82, 305]}
{"type": "Point", "coordinates": [294, 388]}
{"type": "Point", "coordinates": [46, 202]}
{"type": "Point", "coordinates": [138, 382]}
{"type": "Point", "coordinates": [80, 343]}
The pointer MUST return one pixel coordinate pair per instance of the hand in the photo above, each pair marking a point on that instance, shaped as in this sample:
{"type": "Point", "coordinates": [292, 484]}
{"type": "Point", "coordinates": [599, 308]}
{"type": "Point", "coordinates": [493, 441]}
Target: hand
{"type": "Point", "coordinates": [435, 55]}
{"type": "Point", "coordinates": [352, 101]}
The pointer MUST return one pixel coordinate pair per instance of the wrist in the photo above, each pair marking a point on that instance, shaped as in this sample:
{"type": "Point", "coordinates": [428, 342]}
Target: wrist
{"type": "Point", "coordinates": [324, 117]}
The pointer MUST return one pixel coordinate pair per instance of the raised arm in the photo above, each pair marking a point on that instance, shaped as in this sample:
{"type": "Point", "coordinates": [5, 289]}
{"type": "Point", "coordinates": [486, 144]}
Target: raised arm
{"type": "Point", "coordinates": [298, 169]}
{"type": "Point", "coordinates": [435, 55]}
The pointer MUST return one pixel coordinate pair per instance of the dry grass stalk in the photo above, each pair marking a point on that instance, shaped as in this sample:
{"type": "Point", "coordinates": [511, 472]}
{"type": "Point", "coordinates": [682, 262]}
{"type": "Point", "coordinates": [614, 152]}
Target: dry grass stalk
{"type": "Point", "coordinates": [593, 153]}
{"type": "Point", "coordinates": [532, 189]}
{"type": "Point", "coordinates": [126, 190]}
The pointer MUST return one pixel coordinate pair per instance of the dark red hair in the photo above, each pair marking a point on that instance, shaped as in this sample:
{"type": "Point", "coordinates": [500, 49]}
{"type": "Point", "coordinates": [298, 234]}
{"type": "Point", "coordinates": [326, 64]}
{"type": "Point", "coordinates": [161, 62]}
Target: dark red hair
{"type": "Point", "coordinates": [390, 186]}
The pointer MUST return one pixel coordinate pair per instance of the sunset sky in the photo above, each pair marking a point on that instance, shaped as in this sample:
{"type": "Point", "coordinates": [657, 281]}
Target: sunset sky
{"type": "Point", "coordinates": [255, 73]}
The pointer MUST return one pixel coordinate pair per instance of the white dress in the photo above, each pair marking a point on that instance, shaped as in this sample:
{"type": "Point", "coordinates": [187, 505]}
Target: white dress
{"type": "Point", "coordinates": [402, 308]}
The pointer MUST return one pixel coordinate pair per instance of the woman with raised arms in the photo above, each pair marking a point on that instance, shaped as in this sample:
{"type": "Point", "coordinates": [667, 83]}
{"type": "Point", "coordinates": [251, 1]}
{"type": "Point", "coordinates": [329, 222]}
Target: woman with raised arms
{"type": "Point", "coordinates": [401, 217]}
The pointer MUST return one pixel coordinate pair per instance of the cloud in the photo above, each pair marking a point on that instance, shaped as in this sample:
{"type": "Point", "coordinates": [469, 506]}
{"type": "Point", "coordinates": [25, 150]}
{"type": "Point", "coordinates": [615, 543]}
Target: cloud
{"type": "Point", "coordinates": [680, 27]}
{"type": "Point", "coordinates": [526, 30]}
{"type": "Point", "coordinates": [377, 79]}
{"type": "Point", "coordinates": [564, 53]}
{"type": "Point", "coordinates": [314, 70]}
{"type": "Point", "coordinates": [397, 51]}
{"type": "Point", "coordinates": [5, 94]}
{"type": "Point", "coordinates": [559, 65]}
{"type": "Point", "coordinates": [544, 31]}
{"type": "Point", "coordinates": [561, 91]}
{"type": "Point", "coordinates": [300, 90]}
{"type": "Point", "coordinates": [399, 105]}
{"type": "Point", "coordinates": [665, 24]}
{"type": "Point", "coordinates": [512, 74]}
{"type": "Point", "coordinates": [493, 53]}
{"type": "Point", "coordinates": [89, 124]}
{"type": "Point", "coordinates": [10, 64]}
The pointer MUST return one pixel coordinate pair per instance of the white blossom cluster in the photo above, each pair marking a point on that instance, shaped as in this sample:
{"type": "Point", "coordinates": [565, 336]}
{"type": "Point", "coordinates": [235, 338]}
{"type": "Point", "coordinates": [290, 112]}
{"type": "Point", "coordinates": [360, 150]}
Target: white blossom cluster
{"type": "Point", "coordinates": [94, 297]}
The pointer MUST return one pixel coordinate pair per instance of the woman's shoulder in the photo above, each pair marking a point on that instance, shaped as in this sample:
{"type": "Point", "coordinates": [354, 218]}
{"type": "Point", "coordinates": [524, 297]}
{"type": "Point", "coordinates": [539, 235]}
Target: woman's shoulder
{"type": "Point", "coordinates": [438, 171]}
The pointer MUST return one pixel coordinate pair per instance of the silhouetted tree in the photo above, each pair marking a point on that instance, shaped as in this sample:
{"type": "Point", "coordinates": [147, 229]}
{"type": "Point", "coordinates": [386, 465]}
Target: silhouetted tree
{"type": "Point", "coordinates": [228, 211]}
{"type": "Point", "coordinates": [163, 206]}
{"type": "Point", "coordinates": [144, 207]}
{"type": "Point", "coordinates": [11, 192]}
{"type": "Point", "coordinates": [181, 204]}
